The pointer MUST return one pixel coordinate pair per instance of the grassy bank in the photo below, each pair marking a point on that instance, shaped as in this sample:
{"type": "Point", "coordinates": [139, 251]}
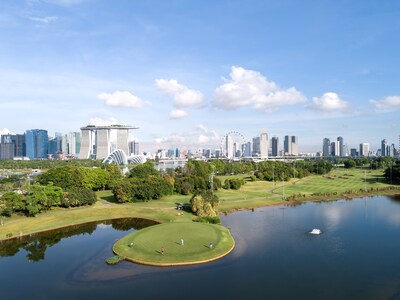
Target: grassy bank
{"type": "Point", "coordinates": [338, 184]}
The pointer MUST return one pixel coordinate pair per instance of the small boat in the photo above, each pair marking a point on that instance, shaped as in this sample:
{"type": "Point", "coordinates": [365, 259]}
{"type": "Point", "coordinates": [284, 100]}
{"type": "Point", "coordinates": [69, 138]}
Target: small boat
{"type": "Point", "coordinates": [316, 231]}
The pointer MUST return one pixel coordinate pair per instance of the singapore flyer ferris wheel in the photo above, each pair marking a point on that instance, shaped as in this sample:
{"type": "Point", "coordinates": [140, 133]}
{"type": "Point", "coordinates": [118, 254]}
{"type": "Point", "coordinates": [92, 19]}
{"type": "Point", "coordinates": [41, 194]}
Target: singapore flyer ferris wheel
{"type": "Point", "coordinates": [233, 145]}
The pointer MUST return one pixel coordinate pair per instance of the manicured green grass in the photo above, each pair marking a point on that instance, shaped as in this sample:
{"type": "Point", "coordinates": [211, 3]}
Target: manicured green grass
{"type": "Point", "coordinates": [251, 195]}
{"type": "Point", "coordinates": [144, 246]}
{"type": "Point", "coordinates": [339, 182]}
{"type": "Point", "coordinates": [162, 211]}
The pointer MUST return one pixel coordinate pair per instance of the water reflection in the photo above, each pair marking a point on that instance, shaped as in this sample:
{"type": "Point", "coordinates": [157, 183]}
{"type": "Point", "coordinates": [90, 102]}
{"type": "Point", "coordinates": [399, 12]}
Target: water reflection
{"type": "Point", "coordinates": [356, 257]}
{"type": "Point", "coordinates": [36, 245]}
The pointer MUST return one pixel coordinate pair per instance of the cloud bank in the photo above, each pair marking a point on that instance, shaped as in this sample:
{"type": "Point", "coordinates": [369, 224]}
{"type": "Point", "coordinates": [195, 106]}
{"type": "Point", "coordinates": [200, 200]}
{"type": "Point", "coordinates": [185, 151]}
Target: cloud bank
{"type": "Point", "coordinates": [251, 88]}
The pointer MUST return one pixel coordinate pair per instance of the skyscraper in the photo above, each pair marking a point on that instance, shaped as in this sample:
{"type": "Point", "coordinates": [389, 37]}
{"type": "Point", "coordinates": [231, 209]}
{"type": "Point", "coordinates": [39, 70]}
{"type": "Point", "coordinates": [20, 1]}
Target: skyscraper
{"type": "Point", "coordinates": [264, 144]}
{"type": "Point", "coordinates": [364, 150]}
{"type": "Point", "coordinates": [134, 148]}
{"type": "Point", "coordinates": [335, 148]}
{"type": "Point", "coordinates": [256, 146]}
{"type": "Point", "coordinates": [384, 147]}
{"type": "Point", "coordinates": [291, 145]}
{"type": "Point", "coordinates": [229, 147]}
{"type": "Point", "coordinates": [36, 143]}
{"type": "Point", "coordinates": [340, 147]}
{"type": "Point", "coordinates": [275, 145]}
{"type": "Point", "coordinates": [247, 149]}
{"type": "Point", "coordinates": [326, 147]}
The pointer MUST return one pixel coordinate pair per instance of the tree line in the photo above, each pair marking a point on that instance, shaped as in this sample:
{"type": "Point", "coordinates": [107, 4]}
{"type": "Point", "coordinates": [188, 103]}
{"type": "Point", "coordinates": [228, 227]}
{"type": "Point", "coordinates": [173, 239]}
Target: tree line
{"type": "Point", "coordinates": [63, 186]}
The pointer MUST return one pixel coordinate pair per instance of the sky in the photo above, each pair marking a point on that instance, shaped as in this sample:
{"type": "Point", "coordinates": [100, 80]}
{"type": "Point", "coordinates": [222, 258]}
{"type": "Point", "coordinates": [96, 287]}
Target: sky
{"type": "Point", "coordinates": [188, 72]}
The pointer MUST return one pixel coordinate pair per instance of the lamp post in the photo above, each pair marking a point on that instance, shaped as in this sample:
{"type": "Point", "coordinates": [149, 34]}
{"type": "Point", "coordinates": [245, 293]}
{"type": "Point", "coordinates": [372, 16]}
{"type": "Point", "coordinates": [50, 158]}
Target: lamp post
{"type": "Point", "coordinates": [365, 180]}
{"type": "Point", "coordinates": [273, 174]}
{"type": "Point", "coordinates": [283, 186]}
{"type": "Point", "coordinates": [391, 181]}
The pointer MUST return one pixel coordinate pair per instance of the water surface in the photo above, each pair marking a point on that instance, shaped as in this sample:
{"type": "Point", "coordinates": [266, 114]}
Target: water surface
{"type": "Point", "coordinates": [356, 257]}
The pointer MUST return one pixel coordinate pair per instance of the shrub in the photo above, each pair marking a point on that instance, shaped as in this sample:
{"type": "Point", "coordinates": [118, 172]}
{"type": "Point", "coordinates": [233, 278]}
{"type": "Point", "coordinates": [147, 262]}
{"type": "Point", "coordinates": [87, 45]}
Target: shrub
{"type": "Point", "coordinates": [209, 220]}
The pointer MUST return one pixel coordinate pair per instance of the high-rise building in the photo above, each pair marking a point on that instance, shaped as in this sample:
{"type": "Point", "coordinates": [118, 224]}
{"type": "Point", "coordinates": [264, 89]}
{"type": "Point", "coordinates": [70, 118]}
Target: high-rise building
{"type": "Point", "coordinates": [291, 145]}
{"type": "Point", "coordinates": [264, 144]}
{"type": "Point", "coordinates": [353, 152]}
{"type": "Point", "coordinates": [326, 147]}
{"type": "Point", "coordinates": [74, 143]}
{"type": "Point", "coordinates": [14, 142]}
{"type": "Point", "coordinates": [237, 149]}
{"type": "Point", "coordinates": [247, 149]}
{"type": "Point", "coordinates": [274, 145]}
{"type": "Point", "coordinates": [36, 143]}
{"type": "Point", "coordinates": [229, 147]}
{"type": "Point", "coordinates": [99, 141]}
{"type": "Point", "coordinates": [7, 149]}
{"type": "Point", "coordinates": [335, 148]}
{"type": "Point", "coordinates": [384, 147]}
{"type": "Point", "coordinates": [391, 150]}
{"type": "Point", "coordinates": [134, 148]}
{"type": "Point", "coordinates": [340, 147]}
{"type": "Point", "coordinates": [364, 150]}
{"type": "Point", "coordinates": [256, 146]}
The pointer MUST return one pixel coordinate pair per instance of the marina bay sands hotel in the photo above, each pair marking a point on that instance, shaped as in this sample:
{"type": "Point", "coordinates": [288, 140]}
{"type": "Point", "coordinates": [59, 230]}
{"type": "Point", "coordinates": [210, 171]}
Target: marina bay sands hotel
{"type": "Point", "coordinates": [98, 142]}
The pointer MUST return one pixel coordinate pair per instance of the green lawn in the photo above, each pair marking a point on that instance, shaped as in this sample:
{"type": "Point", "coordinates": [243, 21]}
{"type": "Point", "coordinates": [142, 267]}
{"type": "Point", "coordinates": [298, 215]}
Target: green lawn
{"type": "Point", "coordinates": [147, 243]}
{"type": "Point", "coordinates": [339, 181]}
{"type": "Point", "coordinates": [251, 195]}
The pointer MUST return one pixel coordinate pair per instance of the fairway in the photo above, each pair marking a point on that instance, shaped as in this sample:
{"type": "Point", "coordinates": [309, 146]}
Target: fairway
{"type": "Point", "coordinates": [144, 246]}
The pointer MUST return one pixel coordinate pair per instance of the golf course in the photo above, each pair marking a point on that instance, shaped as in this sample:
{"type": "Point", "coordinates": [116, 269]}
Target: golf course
{"type": "Point", "coordinates": [175, 244]}
{"type": "Point", "coordinates": [338, 184]}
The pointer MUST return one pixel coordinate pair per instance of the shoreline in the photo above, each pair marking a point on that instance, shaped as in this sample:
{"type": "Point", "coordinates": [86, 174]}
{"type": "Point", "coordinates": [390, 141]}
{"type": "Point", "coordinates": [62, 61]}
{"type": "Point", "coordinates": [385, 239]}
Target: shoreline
{"type": "Point", "coordinates": [392, 191]}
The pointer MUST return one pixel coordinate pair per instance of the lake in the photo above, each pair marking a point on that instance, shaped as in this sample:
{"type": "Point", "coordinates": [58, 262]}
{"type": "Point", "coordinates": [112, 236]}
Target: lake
{"type": "Point", "coordinates": [356, 257]}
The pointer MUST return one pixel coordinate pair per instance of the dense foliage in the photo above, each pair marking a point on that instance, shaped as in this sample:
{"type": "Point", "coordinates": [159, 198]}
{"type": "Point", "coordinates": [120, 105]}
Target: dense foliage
{"type": "Point", "coordinates": [234, 183]}
{"type": "Point", "coordinates": [144, 183]}
{"type": "Point", "coordinates": [204, 204]}
{"type": "Point", "coordinates": [392, 173]}
{"type": "Point", "coordinates": [278, 170]}
{"type": "Point", "coordinates": [39, 198]}
{"type": "Point", "coordinates": [81, 177]}
{"type": "Point", "coordinates": [47, 164]}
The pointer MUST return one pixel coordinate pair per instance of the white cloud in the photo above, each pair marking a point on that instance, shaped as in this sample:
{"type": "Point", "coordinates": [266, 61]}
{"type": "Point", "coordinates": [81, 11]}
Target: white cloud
{"type": "Point", "coordinates": [101, 122]}
{"type": "Point", "coordinates": [121, 99]}
{"type": "Point", "coordinates": [45, 20]}
{"type": "Point", "coordinates": [177, 114]}
{"type": "Point", "coordinates": [182, 95]}
{"type": "Point", "coordinates": [251, 88]}
{"type": "Point", "coordinates": [388, 103]}
{"type": "Point", "coordinates": [329, 102]}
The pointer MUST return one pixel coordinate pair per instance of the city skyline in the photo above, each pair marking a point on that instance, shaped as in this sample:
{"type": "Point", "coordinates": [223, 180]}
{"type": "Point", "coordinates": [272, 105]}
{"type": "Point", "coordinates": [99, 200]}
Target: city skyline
{"type": "Point", "coordinates": [187, 73]}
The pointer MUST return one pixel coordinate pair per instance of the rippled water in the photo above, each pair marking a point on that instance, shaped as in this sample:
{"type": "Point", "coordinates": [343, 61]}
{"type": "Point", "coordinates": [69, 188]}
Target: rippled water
{"type": "Point", "coordinates": [356, 257]}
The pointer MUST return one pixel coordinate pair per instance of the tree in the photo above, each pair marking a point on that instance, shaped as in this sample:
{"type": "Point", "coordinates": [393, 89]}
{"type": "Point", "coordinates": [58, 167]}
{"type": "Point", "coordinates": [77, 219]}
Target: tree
{"type": "Point", "coordinates": [11, 202]}
{"type": "Point", "coordinates": [204, 204]}
{"type": "Point", "coordinates": [349, 163]}
{"type": "Point", "coordinates": [78, 197]}
{"type": "Point", "coordinates": [143, 171]}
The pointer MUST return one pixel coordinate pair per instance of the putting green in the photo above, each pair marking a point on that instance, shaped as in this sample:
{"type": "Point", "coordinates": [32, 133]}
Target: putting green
{"type": "Point", "coordinates": [144, 246]}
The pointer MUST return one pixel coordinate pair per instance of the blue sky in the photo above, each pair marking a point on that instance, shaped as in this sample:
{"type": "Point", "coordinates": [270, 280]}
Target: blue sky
{"type": "Point", "coordinates": [187, 72]}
